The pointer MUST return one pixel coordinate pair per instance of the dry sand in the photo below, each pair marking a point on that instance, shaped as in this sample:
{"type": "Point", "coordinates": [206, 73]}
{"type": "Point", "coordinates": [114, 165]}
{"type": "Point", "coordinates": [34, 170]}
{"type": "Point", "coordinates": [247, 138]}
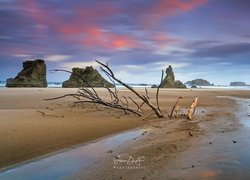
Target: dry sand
{"type": "Point", "coordinates": [31, 127]}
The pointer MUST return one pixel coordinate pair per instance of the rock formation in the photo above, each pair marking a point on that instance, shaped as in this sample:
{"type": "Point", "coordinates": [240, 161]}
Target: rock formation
{"type": "Point", "coordinates": [154, 86]}
{"type": "Point", "coordinates": [238, 83]}
{"type": "Point", "coordinates": [90, 75]}
{"type": "Point", "coordinates": [198, 82]}
{"type": "Point", "coordinates": [33, 74]}
{"type": "Point", "coordinates": [169, 80]}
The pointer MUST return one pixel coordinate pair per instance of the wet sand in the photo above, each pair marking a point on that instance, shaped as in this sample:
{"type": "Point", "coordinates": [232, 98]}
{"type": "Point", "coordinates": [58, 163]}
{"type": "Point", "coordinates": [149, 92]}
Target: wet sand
{"type": "Point", "coordinates": [31, 127]}
{"type": "Point", "coordinates": [181, 149]}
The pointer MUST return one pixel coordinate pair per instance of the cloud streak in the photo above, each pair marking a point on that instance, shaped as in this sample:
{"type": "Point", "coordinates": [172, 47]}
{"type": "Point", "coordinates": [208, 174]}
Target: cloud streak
{"type": "Point", "coordinates": [135, 37]}
{"type": "Point", "coordinates": [224, 50]}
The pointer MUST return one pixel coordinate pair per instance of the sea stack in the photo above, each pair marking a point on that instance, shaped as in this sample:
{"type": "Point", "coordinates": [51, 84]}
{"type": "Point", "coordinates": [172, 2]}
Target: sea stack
{"type": "Point", "coordinates": [238, 83]}
{"type": "Point", "coordinates": [169, 80]}
{"type": "Point", "coordinates": [89, 75]}
{"type": "Point", "coordinates": [33, 74]}
{"type": "Point", "coordinates": [199, 82]}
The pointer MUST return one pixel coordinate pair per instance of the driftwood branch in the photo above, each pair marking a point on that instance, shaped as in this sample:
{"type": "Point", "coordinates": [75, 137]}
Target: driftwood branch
{"type": "Point", "coordinates": [89, 95]}
{"type": "Point", "coordinates": [92, 97]}
{"type": "Point", "coordinates": [192, 108]}
{"type": "Point", "coordinates": [157, 93]}
{"type": "Point", "coordinates": [138, 106]}
{"type": "Point", "coordinates": [126, 100]}
{"type": "Point", "coordinates": [105, 68]}
{"type": "Point", "coordinates": [56, 70]}
{"type": "Point", "coordinates": [175, 108]}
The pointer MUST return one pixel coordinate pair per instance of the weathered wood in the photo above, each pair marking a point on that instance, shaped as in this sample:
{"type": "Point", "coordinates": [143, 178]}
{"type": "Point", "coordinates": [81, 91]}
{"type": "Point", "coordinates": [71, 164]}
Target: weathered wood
{"type": "Point", "coordinates": [105, 68]}
{"type": "Point", "coordinates": [192, 108]}
{"type": "Point", "coordinates": [175, 108]}
{"type": "Point", "coordinates": [90, 95]}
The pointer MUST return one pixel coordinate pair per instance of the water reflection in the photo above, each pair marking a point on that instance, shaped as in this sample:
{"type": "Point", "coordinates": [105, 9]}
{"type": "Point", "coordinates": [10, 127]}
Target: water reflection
{"type": "Point", "coordinates": [69, 162]}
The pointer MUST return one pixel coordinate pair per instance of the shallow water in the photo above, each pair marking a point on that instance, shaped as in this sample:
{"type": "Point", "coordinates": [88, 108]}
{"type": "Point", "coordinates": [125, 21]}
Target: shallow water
{"type": "Point", "coordinates": [67, 163]}
{"type": "Point", "coordinates": [220, 155]}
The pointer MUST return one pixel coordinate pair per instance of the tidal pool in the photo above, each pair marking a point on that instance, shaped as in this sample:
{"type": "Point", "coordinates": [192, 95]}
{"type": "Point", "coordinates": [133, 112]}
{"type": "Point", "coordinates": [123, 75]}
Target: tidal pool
{"type": "Point", "coordinates": [69, 161]}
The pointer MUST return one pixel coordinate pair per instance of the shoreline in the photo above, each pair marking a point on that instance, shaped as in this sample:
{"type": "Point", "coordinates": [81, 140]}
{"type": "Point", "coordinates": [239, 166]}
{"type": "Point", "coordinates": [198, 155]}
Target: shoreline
{"type": "Point", "coordinates": [28, 101]}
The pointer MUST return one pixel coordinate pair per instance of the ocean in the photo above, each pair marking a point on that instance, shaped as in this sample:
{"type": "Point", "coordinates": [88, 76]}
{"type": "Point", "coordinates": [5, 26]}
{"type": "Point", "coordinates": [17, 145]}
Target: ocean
{"type": "Point", "coordinates": [134, 85]}
{"type": "Point", "coordinates": [59, 85]}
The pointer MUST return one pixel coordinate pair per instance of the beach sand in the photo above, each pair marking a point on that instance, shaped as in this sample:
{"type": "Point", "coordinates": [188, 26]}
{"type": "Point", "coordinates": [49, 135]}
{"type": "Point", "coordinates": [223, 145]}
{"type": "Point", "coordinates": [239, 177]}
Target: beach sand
{"type": "Point", "coordinates": [32, 127]}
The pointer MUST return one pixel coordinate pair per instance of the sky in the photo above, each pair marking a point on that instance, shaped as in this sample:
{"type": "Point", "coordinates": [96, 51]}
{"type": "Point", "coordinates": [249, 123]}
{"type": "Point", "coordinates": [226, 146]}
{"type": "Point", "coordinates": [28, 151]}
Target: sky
{"type": "Point", "coordinates": [207, 39]}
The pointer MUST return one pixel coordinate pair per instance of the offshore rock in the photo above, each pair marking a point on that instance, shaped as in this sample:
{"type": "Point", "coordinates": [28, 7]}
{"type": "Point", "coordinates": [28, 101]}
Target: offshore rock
{"type": "Point", "coordinates": [33, 74]}
{"type": "Point", "coordinates": [238, 83]}
{"type": "Point", "coordinates": [89, 75]}
{"type": "Point", "coordinates": [169, 80]}
{"type": "Point", "coordinates": [199, 82]}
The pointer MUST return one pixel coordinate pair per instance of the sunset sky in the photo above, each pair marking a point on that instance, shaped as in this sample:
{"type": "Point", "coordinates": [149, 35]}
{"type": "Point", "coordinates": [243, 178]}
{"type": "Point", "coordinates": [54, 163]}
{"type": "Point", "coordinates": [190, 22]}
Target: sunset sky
{"type": "Point", "coordinates": [207, 39]}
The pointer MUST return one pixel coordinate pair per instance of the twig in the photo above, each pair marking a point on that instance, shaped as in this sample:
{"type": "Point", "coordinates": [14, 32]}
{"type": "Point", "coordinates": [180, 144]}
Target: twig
{"type": "Point", "coordinates": [126, 100]}
{"type": "Point", "coordinates": [138, 107]}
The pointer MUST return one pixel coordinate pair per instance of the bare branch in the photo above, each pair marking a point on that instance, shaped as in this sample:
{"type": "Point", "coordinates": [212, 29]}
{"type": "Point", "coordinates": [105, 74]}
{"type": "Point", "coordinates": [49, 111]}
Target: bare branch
{"type": "Point", "coordinates": [91, 95]}
{"type": "Point", "coordinates": [111, 94]}
{"type": "Point", "coordinates": [62, 70]}
{"type": "Point", "coordinates": [123, 104]}
{"type": "Point", "coordinates": [157, 92]}
{"type": "Point", "coordinates": [141, 104]}
{"type": "Point", "coordinates": [116, 107]}
{"type": "Point", "coordinates": [138, 107]}
{"type": "Point", "coordinates": [143, 98]}
{"type": "Point", "coordinates": [107, 67]}
{"type": "Point", "coordinates": [60, 97]}
{"type": "Point", "coordinates": [126, 100]}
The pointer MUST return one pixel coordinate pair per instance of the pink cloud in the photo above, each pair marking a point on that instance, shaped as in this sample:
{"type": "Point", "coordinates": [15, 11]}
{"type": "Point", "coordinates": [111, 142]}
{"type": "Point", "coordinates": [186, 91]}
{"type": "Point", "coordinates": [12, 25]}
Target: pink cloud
{"type": "Point", "coordinates": [166, 8]}
{"type": "Point", "coordinates": [161, 39]}
{"type": "Point", "coordinates": [85, 27]}
{"type": "Point", "coordinates": [162, 9]}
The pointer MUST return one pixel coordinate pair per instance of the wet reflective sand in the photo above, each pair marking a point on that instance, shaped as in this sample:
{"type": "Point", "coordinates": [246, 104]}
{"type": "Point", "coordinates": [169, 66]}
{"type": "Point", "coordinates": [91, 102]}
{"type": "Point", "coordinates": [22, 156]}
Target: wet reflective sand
{"type": "Point", "coordinates": [67, 163]}
{"type": "Point", "coordinates": [220, 155]}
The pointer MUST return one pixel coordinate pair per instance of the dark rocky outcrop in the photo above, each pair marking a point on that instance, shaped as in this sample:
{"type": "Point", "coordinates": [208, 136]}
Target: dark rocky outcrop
{"type": "Point", "coordinates": [143, 84]}
{"type": "Point", "coordinates": [33, 74]}
{"type": "Point", "coordinates": [90, 75]}
{"type": "Point", "coordinates": [154, 86]}
{"type": "Point", "coordinates": [169, 80]}
{"type": "Point", "coordinates": [198, 82]}
{"type": "Point", "coordinates": [238, 83]}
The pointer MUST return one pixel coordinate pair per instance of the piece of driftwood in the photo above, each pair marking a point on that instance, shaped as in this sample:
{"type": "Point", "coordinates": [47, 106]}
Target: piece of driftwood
{"type": "Point", "coordinates": [90, 95]}
{"type": "Point", "coordinates": [192, 108]}
{"type": "Point", "coordinates": [105, 68]}
{"type": "Point", "coordinates": [175, 109]}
